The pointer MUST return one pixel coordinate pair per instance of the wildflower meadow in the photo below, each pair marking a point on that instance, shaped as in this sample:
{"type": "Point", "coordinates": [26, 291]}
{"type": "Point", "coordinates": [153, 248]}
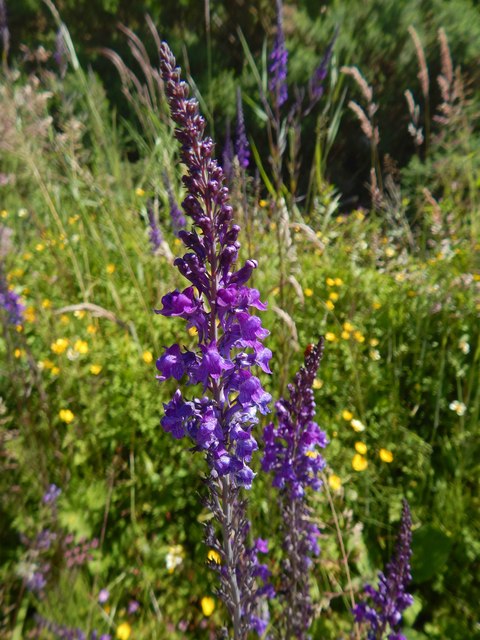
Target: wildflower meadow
{"type": "Point", "coordinates": [239, 309]}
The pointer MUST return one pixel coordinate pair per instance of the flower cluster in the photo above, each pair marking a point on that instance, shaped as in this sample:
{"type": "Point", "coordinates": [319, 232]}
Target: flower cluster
{"type": "Point", "coordinates": [279, 62]}
{"type": "Point", "coordinates": [217, 305]}
{"type": "Point", "coordinates": [10, 303]}
{"type": "Point", "coordinates": [67, 633]}
{"type": "Point", "coordinates": [315, 85]}
{"type": "Point", "coordinates": [291, 455]}
{"type": "Point", "coordinates": [390, 599]}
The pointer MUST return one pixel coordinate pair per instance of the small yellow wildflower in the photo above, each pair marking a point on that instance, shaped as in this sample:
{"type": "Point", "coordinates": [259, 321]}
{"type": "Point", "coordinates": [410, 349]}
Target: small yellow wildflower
{"type": "Point", "coordinates": [91, 329]}
{"type": "Point", "coordinates": [345, 335]}
{"type": "Point", "coordinates": [124, 631]}
{"type": "Point", "coordinates": [139, 192]}
{"type": "Point", "coordinates": [385, 455]}
{"type": "Point", "coordinates": [60, 345]}
{"type": "Point", "coordinates": [208, 606]}
{"type": "Point", "coordinates": [193, 331]}
{"type": "Point", "coordinates": [110, 268]}
{"type": "Point", "coordinates": [45, 364]}
{"type": "Point", "coordinates": [81, 346]}
{"type": "Point", "coordinates": [317, 384]}
{"type": "Point", "coordinates": [95, 369]}
{"type": "Point", "coordinates": [361, 447]}
{"type": "Point", "coordinates": [330, 336]}
{"type": "Point", "coordinates": [39, 246]}
{"type": "Point", "coordinates": [374, 342]}
{"type": "Point", "coordinates": [357, 425]}
{"type": "Point", "coordinates": [79, 313]}
{"type": "Point", "coordinates": [359, 463]}
{"type": "Point", "coordinates": [312, 454]}
{"type": "Point", "coordinates": [55, 371]}
{"type": "Point", "coordinates": [214, 556]}
{"type": "Point", "coordinates": [308, 292]}
{"type": "Point", "coordinates": [18, 353]}
{"type": "Point", "coordinates": [333, 296]}
{"type": "Point", "coordinates": [27, 256]}
{"type": "Point", "coordinates": [46, 303]}
{"type": "Point", "coordinates": [147, 357]}
{"type": "Point", "coordinates": [359, 215]}
{"type": "Point", "coordinates": [359, 337]}
{"type": "Point", "coordinates": [66, 415]}
{"type": "Point", "coordinates": [29, 314]}
{"type": "Point", "coordinates": [338, 282]}
{"type": "Point", "coordinates": [73, 219]}
{"type": "Point", "coordinates": [348, 326]}
{"type": "Point", "coordinates": [335, 482]}
{"type": "Point", "coordinates": [3, 213]}
{"type": "Point", "coordinates": [330, 306]}
{"type": "Point", "coordinates": [330, 282]}
{"type": "Point", "coordinates": [399, 277]}
{"type": "Point", "coordinates": [376, 305]}
{"type": "Point", "coordinates": [263, 203]}
{"type": "Point", "coordinates": [347, 415]}
{"type": "Point", "coordinates": [64, 319]}
{"type": "Point", "coordinates": [273, 226]}
{"type": "Point", "coordinates": [389, 252]}
{"type": "Point", "coordinates": [276, 291]}
{"type": "Point", "coordinates": [19, 328]}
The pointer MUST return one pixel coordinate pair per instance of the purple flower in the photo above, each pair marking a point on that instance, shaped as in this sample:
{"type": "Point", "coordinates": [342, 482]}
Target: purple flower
{"type": "Point", "coordinates": [154, 234]}
{"type": "Point", "coordinates": [51, 495]}
{"type": "Point", "coordinates": [242, 149]}
{"type": "Point", "coordinates": [229, 345]}
{"type": "Point", "coordinates": [315, 85]}
{"type": "Point", "coordinates": [291, 455]}
{"type": "Point", "coordinates": [103, 596]}
{"type": "Point", "coordinates": [176, 215]}
{"type": "Point", "coordinates": [133, 607]}
{"type": "Point", "coordinates": [383, 611]}
{"type": "Point", "coordinates": [10, 303]}
{"type": "Point", "coordinates": [278, 62]}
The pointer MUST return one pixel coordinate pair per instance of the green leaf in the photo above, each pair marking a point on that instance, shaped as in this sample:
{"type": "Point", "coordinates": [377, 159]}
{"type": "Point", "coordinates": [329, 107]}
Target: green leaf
{"type": "Point", "coordinates": [430, 550]}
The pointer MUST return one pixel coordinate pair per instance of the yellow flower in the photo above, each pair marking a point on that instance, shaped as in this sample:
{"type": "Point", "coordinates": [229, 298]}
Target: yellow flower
{"type": "Point", "coordinates": [331, 337]}
{"type": "Point", "coordinates": [359, 337]}
{"type": "Point", "coordinates": [110, 268]}
{"type": "Point", "coordinates": [19, 328]}
{"type": "Point", "coordinates": [147, 357]}
{"type": "Point", "coordinates": [45, 364]}
{"type": "Point", "coordinates": [73, 219]}
{"type": "Point", "coordinates": [348, 326]}
{"type": "Point", "coordinates": [124, 631]}
{"type": "Point", "coordinates": [330, 306]}
{"type": "Point", "coordinates": [399, 277]}
{"type": "Point", "coordinates": [95, 369]}
{"type": "Point", "coordinates": [389, 252]}
{"type": "Point", "coordinates": [66, 415]}
{"type": "Point", "coordinates": [81, 346]}
{"type": "Point", "coordinates": [214, 556]}
{"type": "Point", "coordinates": [312, 454]}
{"type": "Point", "coordinates": [359, 215]}
{"type": "Point", "coordinates": [46, 303]}
{"type": "Point", "coordinates": [347, 415]}
{"type": "Point", "coordinates": [27, 256]}
{"type": "Point", "coordinates": [376, 305]}
{"type": "Point", "coordinates": [357, 425]}
{"type": "Point", "coordinates": [208, 606]}
{"type": "Point", "coordinates": [361, 447]}
{"type": "Point", "coordinates": [92, 329]}
{"type": "Point", "coordinates": [79, 313]}
{"type": "Point", "coordinates": [59, 345]}
{"type": "Point", "coordinates": [55, 371]}
{"type": "Point", "coordinates": [308, 292]}
{"type": "Point", "coordinates": [263, 203]}
{"type": "Point", "coordinates": [29, 314]}
{"type": "Point", "coordinates": [39, 247]}
{"type": "Point", "coordinates": [139, 192]}
{"type": "Point", "coordinates": [345, 335]}
{"type": "Point", "coordinates": [330, 282]}
{"type": "Point", "coordinates": [317, 384]}
{"type": "Point", "coordinates": [64, 319]}
{"type": "Point", "coordinates": [338, 282]}
{"type": "Point", "coordinates": [3, 213]}
{"type": "Point", "coordinates": [335, 482]}
{"type": "Point", "coordinates": [374, 342]}
{"type": "Point", "coordinates": [193, 331]}
{"type": "Point", "coordinates": [18, 353]}
{"type": "Point", "coordinates": [385, 455]}
{"type": "Point", "coordinates": [359, 463]}
{"type": "Point", "coordinates": [333, 296]}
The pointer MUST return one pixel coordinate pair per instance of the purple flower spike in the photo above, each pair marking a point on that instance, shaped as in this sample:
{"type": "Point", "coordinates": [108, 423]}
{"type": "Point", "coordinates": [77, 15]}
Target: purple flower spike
{"type": "Point", "coordinates": [242, 149]}
{"type": "Point", "coordinates": [176, 215]}
{"type": "Point", "coordinates": [103, 596]}
{"type": "Point", "coordinates": [155, 235]}
{"type": "Point", "coordinates": [315, 85]}
{"type": "Point", "coordinates": [51, 495]}
{"type": "Point", "coordinates": [229, 344]}
{"type": "Point", "coordinates": [291, 455]}
{"type": "Point", "coordinates": [279, 62]}
{"type": "Point", "coordinates": [10, 303]}
{"type": "Point", "coordinates": [383, 613]}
